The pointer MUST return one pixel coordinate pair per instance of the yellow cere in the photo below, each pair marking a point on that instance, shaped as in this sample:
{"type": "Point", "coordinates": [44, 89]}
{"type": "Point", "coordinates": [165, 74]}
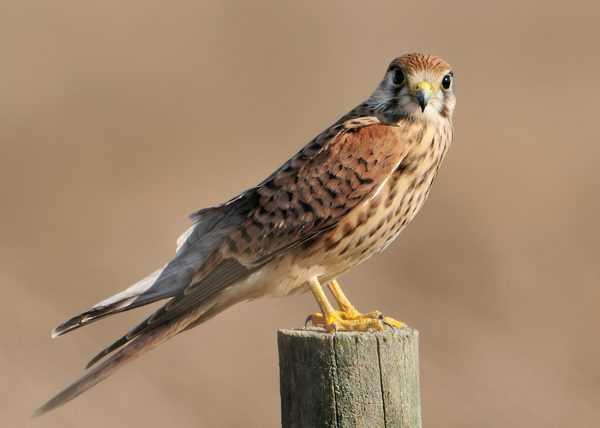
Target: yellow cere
{"type": "Point", "coordinates": [424, 86]}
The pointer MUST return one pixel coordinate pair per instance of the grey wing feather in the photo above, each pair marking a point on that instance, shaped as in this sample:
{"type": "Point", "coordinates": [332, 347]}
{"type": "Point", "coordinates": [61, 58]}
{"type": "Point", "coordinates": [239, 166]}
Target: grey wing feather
{"type": "Point", "coordinates": [225, 273]}
{"type": "Point", "coordinates": [211, 226]}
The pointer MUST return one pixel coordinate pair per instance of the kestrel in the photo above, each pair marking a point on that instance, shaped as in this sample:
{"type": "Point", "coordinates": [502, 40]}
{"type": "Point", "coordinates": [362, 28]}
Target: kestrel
{"type": "Point", "coordinates": [345, 196]}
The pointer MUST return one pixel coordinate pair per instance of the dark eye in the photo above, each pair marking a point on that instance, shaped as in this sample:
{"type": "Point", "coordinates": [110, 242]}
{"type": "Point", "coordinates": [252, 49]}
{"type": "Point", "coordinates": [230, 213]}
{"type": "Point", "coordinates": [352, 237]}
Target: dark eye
{"type": "Point", "coordinates": [398, 76]}
{"type": "Point", "coordinates": [446, 82]}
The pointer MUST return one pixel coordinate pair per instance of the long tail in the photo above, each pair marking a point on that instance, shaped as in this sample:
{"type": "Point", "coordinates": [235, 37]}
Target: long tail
{"type": "Point", "coordinates": [190, 304]}
{"type": "Point", "coordinates": [132, 350]}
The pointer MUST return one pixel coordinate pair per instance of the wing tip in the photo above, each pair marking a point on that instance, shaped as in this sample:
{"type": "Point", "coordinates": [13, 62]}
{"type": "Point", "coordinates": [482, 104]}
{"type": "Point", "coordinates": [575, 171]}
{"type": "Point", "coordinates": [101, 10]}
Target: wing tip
{"type": "Point", "coordinates": [94, 314]}
{"type": "Point", "coordinates": [67, 326]}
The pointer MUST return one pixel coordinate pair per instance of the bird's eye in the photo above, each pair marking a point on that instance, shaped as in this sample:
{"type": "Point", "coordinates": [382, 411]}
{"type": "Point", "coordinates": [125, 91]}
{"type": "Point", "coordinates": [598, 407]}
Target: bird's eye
{"type": "Point", "coordinates": [446, 82]}
{"type": "Point", "coordinates": [398, 76]}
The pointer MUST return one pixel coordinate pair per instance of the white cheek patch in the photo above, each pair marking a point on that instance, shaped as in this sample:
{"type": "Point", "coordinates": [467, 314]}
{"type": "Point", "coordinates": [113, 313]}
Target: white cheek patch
{"type": "Point", "coordinates": [434, 106]}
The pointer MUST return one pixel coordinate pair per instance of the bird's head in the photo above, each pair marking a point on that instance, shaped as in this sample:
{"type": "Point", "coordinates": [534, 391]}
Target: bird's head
{"type": "Point", "coordinates": [416, 85]}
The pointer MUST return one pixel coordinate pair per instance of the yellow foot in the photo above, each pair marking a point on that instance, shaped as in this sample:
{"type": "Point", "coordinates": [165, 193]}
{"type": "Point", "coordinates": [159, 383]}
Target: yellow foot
{"type": "Point", "coordinates": [353, 321]}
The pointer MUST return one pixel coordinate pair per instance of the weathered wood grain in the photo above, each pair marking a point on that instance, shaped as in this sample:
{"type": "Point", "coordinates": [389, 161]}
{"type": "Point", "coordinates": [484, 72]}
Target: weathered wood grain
{"type": "Point", "coordinates": [349, 380]}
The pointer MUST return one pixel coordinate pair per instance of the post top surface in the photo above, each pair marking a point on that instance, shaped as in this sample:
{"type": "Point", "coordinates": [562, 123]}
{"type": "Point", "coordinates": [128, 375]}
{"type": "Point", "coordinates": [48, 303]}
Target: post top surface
{"type": "Point", "coordinates": [316, 332]}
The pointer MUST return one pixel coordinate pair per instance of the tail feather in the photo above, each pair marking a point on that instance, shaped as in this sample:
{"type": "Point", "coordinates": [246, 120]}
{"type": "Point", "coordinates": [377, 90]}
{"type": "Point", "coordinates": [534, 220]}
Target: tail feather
{"type": "Point", "coordinates": [135, 348]}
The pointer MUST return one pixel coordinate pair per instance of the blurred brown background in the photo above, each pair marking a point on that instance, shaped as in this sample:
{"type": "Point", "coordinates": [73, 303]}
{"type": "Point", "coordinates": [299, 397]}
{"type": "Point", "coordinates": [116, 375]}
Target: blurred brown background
{"type": "Point", "coordinates": [118, 118]}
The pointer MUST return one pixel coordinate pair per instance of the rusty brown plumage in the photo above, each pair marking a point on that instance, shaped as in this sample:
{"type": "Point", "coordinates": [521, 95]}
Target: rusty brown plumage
{"type": "Point", "coordinates": [346, 195]}
{"type": "Point", "coordinates": [317, 189]}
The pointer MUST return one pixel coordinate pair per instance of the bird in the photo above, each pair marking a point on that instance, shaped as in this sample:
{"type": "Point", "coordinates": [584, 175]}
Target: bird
{"type": "Point", "coordinates": [343, 197]}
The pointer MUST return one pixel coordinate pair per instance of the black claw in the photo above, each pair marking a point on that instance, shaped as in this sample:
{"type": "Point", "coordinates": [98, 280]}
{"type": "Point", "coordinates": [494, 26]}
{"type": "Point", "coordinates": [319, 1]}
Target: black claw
{"type": "Point", "coordinates": [309, 318]}
{"type": "Point", "coordinates": [388, 324]}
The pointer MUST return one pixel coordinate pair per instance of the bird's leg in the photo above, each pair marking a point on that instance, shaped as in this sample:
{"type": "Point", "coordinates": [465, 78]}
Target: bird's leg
{"type": "Point", "coordinates": [333, 320]}
{"type": "Point", "coordinates": [326, 318]}
{"type": "Point", "coordinates": [344, 304]}
{"type": "Point", "coordinates": [349, 312]}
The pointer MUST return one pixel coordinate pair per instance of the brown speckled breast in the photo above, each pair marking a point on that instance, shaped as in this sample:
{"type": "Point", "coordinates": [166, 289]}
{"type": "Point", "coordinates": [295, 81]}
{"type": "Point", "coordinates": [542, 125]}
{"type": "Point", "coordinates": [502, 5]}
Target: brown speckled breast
{"type": "Point", "coordinates": [373, 225]}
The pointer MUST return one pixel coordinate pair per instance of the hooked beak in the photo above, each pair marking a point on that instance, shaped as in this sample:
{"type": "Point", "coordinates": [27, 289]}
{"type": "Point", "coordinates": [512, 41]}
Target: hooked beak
{"type": "Point", "coordinates": [422, 92]}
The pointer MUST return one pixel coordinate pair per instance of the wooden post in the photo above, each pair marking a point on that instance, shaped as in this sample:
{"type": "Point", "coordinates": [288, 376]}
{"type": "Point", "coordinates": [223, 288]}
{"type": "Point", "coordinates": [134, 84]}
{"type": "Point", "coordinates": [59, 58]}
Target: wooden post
{"type": "Point", "coordinates": [349, 380]}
